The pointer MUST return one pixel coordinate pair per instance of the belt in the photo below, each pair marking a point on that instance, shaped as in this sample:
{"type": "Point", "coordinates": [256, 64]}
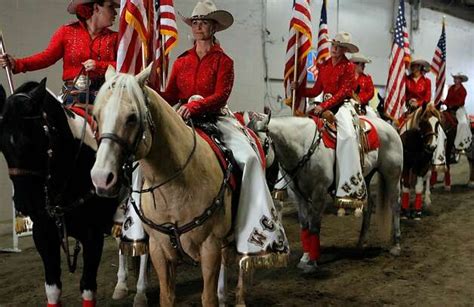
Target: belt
{"type": "Point", "coordinates": [94, 83]}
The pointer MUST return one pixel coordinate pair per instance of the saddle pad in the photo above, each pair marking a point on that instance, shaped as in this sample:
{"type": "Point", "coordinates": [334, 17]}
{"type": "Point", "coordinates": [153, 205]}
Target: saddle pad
{"type": "Point", "coordinates": [220, 156]}
{"type": "Point", "coordinates": [82, 113]}
{"type": "Point", "coordinates": [240, 117]}
{"type": "Point", "coordinates": [329, 136]}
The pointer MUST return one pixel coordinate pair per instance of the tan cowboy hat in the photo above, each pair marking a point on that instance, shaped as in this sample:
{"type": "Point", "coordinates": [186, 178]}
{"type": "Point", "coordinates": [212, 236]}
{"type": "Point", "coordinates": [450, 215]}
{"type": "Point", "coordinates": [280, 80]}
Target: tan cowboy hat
{"type": "Point", "coordinates": [206, 9]}
{"type": "Point", "coordinates": [461, 76]}
{"type": "Point", "coordinates": [360, 58]}
{"type": "Point", "coordinates": [344, 39]}
{"type": "Point", "coordinates": [419, 61]}
{"type": "Point", "coordinates": [71, 8]}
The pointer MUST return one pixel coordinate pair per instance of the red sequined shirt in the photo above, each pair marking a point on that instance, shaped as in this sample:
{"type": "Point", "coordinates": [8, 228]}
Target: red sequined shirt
{"type": "Point", "coordinates": [419, 90]}
{"type": "Point", "coordinates": [337, 80]}
{"type": "Point", "coordinates": [456, 96]}
{"type": "Point", "coordinates": [212, 77]}
{"type": "Point", "coordinates": [366, 88]}
{"type": "Point", "coordinates": [74, 45]}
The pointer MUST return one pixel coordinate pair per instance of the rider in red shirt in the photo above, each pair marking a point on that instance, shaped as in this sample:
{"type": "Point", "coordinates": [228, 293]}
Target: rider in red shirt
{"type": "Point", "coordinates": [457, 93]}
{"type": "Point", "coordinates": [365, 87]}
{"type": "Point", "coordinates": [86, 46]}
{"type": "Point", "coordinates": [418, 87]}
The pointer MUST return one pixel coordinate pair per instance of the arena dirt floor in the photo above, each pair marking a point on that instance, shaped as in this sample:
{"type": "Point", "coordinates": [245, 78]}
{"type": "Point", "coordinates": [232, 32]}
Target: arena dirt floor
{"type": "Point", "coordinates": [436, 266]}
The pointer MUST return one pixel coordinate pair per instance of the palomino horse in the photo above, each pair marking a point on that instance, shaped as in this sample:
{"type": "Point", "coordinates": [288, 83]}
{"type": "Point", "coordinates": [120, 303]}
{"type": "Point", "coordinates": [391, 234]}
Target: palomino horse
{"type": "Point", "coordinates": [185, 200]}
{"type": "Point", "coordinates": [49, 152]}
{"type": "Point", "coordinates": [310, 168]}
{"type": "Point", "coordinates": [419, 134]}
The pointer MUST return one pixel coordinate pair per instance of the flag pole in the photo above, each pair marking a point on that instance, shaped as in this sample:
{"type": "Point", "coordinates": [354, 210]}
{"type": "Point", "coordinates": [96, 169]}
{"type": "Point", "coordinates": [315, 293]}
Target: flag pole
{"type": "Point", "coordinates": [7, 68]}
{"type": "Point", "coordinates": [295, 75]}
{"type": "Point", "coordinates": [163, 63]}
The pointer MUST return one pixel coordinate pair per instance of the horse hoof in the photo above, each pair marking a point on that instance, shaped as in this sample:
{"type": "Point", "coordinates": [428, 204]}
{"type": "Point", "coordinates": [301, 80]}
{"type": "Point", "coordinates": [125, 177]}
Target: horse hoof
{"type": "Point", "coordinates": [310, 267]}
{"type": "Point", "coordinates": [447, 188]}
{"type": "Point", "coordinates": [140, 300]}
{"type": "Point", "coordinates": [395, 251]}
{"type": "Point", "coordinates": [470, 184]}
{"type": "Point", "coordinates": [120, 293]}
{"type": "Point", "coordinates": [303, 261]}
{"type": "Point", "coordinates": [358, 212]}
{"type": "Point", "coordinates": [341, 212]}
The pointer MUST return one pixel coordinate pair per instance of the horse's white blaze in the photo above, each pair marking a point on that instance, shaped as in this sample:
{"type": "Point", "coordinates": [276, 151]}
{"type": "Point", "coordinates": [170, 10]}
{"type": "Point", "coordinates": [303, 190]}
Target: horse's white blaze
{"type": "Point", "coordinates": [434, 140]}
{"type": "Point", "coordinates": [52, 293]}
{"type": "Point", "coordinates": [77, 125]}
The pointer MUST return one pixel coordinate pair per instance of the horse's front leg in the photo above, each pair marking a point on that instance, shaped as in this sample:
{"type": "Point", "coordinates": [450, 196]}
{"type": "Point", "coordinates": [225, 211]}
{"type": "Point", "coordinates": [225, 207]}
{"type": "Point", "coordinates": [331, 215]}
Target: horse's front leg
{"type": "Point", "coordinates": [121, 289]}
{"type": "Point", "coordinates": [48, 246]}
{"type": "Point", "coordinates": [428, 188]}
{"type": "Point", "coordinates": [405, 201]}
{"type": "Point", "coordinates": [418, 197]}
{"type": "Point", "coordinates": [142, 283]}
{"type": "Point", "coordinates": [222, 287]}
{"type": "Point", "coordinates": [210, 266]}
{"type": "Point", "coordinates": [166, 271]}
{"type": "Point", "coordinates": [92, 244]}
{"type": "Point", "coordinates": [367, 213]}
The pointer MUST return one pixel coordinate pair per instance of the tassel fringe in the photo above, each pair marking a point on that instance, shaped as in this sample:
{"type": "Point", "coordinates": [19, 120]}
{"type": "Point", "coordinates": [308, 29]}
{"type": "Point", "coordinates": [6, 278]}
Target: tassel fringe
{"type": "Point", "coordinates": [350, 203]}
{"type": "Point", "coordinates": [270, 260]}
{"type": "Point", "coordinates": [133, 248]}
{"type": "Point", "coordinates": [117, 230]}
{"type": "Point", "coordinates": [22, 224]}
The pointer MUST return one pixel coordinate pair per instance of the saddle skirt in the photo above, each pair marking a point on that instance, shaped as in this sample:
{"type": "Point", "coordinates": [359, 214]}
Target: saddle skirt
{"type": "Point", "coordinates": [370, 141]}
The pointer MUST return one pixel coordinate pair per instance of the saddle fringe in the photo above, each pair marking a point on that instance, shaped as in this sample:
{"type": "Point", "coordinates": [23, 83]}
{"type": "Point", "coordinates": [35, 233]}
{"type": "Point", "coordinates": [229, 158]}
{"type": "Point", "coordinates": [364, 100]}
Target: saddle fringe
{"type": "Point", "coordinates": [133, 248]}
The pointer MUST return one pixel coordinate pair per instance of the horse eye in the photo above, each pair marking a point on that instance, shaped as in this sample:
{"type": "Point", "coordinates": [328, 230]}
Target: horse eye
{"type": "Point", "coordinates": [132, 119]}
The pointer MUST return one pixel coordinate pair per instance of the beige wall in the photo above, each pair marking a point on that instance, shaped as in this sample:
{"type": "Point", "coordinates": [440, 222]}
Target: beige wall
{"type": "Point", "coordinates": [5, 194]}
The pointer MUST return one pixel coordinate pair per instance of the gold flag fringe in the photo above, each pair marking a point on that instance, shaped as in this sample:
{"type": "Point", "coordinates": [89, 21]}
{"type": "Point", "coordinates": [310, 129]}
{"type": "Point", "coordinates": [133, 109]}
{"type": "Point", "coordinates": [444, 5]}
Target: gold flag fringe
{"type": "Point", "coordinates": [116, 230]}
{"type": "Point", "coordinates": [133, 248]}
{"type": "Point", "coordinates": [266, 261]}
{"type": "Point", "coordinates": [21, 224]}
{"type": "Point", "coordinates": [350, 203]}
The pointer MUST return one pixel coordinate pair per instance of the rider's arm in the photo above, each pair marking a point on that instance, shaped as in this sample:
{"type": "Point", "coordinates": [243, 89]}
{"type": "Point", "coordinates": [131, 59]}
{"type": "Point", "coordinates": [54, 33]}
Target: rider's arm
{"type": "Point", "coordinates": [427, 94]}
{"type": "Point", "coordinates": [43, 59]}
{"type": "Point", "coordinates": [366, 90]}
{"type": "Point", "coordinates": [222, 89]}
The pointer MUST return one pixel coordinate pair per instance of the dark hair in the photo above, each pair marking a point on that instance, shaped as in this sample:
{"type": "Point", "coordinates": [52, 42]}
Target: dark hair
{"type": "Point", "coordinates": [85, 11]}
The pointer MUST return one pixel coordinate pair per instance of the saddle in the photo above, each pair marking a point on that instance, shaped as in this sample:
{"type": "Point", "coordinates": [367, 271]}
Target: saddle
{"type": "Point", "coordinates": [327, 127]}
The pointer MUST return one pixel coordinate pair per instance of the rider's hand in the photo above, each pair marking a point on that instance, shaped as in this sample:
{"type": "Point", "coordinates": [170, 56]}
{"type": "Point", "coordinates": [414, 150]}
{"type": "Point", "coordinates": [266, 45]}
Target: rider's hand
{"type": "Point", "coordinates": [184, 112]}
{"type": "Point", "coordinates": [90, 65]}
{"type": "Point", "coordinates": [317, 110]}
{"type": "Point", "coordinates": [412, 102]}
{"type": "Point", "coordinates": [7, 60]}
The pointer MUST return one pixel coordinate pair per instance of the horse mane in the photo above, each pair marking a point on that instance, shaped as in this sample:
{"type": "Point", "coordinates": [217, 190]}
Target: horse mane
{"type": "Point", "coordinates": [118, 85]}
{"type": "Point", "coordinates": [26, 87]}
{"type": "Point", "coordinates": [423, 113]}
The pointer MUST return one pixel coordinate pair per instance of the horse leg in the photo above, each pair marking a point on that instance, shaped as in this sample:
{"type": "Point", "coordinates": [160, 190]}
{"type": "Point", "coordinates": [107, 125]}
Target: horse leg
{"type": "Point", "coordinates": [210, 266]}
{"type": "Point", "coordinates": [405, 202]}
{"type": "Point", "coordinates": [304, 226]}
{"type": "Point", "coordinates": [447, 178]}
{"type": "Point", "coordinates": [93, 244]}
{"type": "Point", "coordinates": [121, 289]}
{"type": "Point", "coordinates": [418, 197]}
{"type": "Point", "coordinates": [471, 177]}
{"type": "Point", "coordinates": [367, 213]}
{"type": "Point", "coordinates": [166, 271]}
{"type": "Point", "coordinates": [48, 246]}
{"type": "Point", "coordinates": [244, 279]}
{"type": "Point", "coordinates": [222, 287]}
{"type": "Point", "coordinates": [428, 188]}
{"type": "Point", "coordinates": [142, 283]}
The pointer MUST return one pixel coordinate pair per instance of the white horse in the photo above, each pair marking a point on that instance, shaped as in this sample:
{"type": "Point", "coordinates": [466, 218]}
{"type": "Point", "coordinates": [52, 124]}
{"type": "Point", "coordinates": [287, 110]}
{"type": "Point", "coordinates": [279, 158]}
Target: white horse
{"type": "Point", "coordinates": [310, 167]}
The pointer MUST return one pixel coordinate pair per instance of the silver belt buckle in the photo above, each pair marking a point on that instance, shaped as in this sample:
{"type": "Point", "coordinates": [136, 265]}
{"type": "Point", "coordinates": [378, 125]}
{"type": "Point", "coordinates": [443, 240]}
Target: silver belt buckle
{"type": "Point", "coordinates": [82, 83]}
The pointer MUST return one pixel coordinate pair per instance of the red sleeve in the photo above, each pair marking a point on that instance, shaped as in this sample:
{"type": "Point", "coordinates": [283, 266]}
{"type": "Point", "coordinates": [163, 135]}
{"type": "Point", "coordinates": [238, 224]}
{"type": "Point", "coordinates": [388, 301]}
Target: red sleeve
{"type": "Point", "coordinates": [171, 92]}
{"type": "Point", "coordinates": [366, 90]}
{"type": "Point", "coordinates": [223, 88]}
{"type": "Point", "coordinates": [46, 58]}
{"type": "Point", "coordinates": [427, 96]}
{"type": "Point", "coordinates": [462, 97]}
{"type": "Point", "coordinates": [346, 88]}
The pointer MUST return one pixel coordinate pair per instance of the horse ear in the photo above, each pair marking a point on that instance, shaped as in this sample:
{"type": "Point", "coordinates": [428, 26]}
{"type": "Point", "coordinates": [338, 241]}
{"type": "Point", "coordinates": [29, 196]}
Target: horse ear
{"type": "Point", "coordinates": [143, 75]}
{"type": "Point", "coordinates": [110, 73]}
{"type": "Point", "coordinates": [39, 92]}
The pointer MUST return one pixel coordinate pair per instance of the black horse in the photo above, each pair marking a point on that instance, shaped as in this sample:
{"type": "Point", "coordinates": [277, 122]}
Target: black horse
{"type": "Point", "coordinates": [49, 166]}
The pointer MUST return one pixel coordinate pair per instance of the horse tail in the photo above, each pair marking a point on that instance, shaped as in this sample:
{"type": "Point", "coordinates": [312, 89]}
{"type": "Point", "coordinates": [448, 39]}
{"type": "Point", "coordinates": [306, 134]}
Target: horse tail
{"type": "Point", "coordinates": [383, 211]}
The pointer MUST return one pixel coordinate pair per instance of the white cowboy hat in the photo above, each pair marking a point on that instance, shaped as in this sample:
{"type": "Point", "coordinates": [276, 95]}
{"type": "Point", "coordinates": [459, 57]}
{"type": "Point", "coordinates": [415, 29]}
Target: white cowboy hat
{"type": "Point", "coordinates": [359, 58]}
{"type": "Point", "coordinates": [419, 61]}
{"type": "Point", "coordinates": [461, 76]}
{"type": "Point", "coordinates": [206, 9]}
{"type": "Point", "coordinates": [71, 8]}
{"type": "Point", "coordinates": [344, 39]}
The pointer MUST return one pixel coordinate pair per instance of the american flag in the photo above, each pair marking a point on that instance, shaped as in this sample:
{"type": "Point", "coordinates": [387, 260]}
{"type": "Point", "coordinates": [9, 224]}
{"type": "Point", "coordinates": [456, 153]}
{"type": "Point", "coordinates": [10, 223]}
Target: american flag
{"type": "Point", "coordinates": [133, 36]}
{"type": "Point", "coordinates": [147, 29]}
{"type": "Point", "coordinates": [438, 65]}
{"type": "Point", "coordinates": [165, 35]}
{"type": "Point", "coordinates": [323, 36]}
{"type": "Point", "coordinates": [300, 25]}
{"type": "Point", "coordinates": [399, 61]}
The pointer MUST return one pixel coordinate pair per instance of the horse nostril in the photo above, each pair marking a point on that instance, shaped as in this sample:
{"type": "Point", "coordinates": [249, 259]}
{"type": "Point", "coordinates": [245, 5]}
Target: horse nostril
{"type": "Point", "coordinates": [110, 179]}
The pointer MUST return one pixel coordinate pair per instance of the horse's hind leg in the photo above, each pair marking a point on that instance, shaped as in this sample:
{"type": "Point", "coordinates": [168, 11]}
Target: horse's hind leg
{"type": "Point", "coordinates": [166, 271]}
{"type": "Point", "coordinates": [142, 283]}
{"type": "Point", "coordinates": [48, 246]}
{"type": "Point", "coordinates": [93, 244]}
{"type": "Point", "coordinates": [210, 266]}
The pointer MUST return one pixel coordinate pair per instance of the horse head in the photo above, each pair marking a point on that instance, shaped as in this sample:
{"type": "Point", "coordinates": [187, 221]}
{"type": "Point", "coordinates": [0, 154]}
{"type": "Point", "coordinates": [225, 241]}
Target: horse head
{"type": "Point", "coordinates": [429, 119]}
{"type": "Point", "coordinates": [124, 127]}
{"type": "Point", "coordinates": [27, 134]}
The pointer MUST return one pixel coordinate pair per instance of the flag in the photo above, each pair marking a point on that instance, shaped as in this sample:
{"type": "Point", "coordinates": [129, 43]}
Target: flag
{"type": "Point", "coordinates": [133, 36]}
{"type": "Point", "coordinates": [399, 63]}
{"type": "Point", "coordinates": [323, 36]}
{"type": "Point", "coordinates": [300, 41]}
{"type": "Point", "coordinates": [438, 65]}
{"type": "Point", "coordinates": [165, 36]}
